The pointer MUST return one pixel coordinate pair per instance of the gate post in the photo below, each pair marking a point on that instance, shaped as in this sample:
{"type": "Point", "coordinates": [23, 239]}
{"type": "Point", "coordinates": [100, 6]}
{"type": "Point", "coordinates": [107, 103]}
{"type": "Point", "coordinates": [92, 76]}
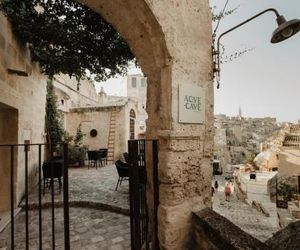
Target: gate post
{"type": "Point", "coordinates": [66, 198]}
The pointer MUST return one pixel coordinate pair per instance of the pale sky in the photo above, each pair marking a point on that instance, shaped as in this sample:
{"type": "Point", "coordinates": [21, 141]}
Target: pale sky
{"type": "Point", "coordinates": [117, 86]}
{"type": "Point", "coordinates": [264, 81]}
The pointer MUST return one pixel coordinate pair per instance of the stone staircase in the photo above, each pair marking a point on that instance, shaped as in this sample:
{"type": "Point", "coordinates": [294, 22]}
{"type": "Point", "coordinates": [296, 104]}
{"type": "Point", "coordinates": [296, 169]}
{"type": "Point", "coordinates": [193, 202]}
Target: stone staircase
{"type": "Point", "coordinates": [111, 137]}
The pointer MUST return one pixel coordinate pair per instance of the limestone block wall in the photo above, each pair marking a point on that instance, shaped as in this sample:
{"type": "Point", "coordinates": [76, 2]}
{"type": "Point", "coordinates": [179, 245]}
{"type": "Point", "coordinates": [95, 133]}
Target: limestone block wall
{"type": "Point", "coordinates": [24, 95]}
{"type": "Point", "coordinates": [90, 119]}
{"type": "Point", "coordinates": [185, 153]}
{"type": "Point", "coordinates": [99, 118]}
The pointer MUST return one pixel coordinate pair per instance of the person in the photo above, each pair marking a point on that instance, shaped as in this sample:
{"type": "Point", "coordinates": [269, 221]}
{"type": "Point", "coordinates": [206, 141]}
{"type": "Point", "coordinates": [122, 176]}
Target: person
{"type": "Point", "coordinates": [212, 191]}
{"type": "Point", "coordinates": [216, 185]}
{"type": "Point", "coordinates": [227, 191]}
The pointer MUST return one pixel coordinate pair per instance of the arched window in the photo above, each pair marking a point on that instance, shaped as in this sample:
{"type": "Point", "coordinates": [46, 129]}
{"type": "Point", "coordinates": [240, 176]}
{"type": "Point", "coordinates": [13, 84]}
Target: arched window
{"type": "Point", "coordinates": [132, 114]}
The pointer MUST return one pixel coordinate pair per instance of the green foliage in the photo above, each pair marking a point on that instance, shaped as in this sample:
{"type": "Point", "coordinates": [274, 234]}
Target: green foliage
{"type": "Point", "coordinates": [56, 132]}
{"type": "Point", "coordinates": [67, 37]}
{"type": "Point", "coordinates": [54, 125]}
{"type": "Point", "coordinates": [77, 151]}
{"type": "Point", "coordinates": [286, 190]}
{"type": "Point", "coordinates": [76, 154]}
{"type": "Point", "coordinates": [78, 137]}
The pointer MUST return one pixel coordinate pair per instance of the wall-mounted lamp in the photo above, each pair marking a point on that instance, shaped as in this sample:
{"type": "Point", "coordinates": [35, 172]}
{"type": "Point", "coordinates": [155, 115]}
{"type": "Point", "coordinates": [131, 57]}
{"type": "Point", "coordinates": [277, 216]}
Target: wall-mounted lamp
{"type": "Point", "coordinates": [285, 30]}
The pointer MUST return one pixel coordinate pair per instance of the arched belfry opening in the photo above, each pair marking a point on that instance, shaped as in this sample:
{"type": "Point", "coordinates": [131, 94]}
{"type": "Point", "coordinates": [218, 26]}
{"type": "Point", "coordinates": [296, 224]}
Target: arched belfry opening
{"type": "Point", "coordinates": [171, 41]}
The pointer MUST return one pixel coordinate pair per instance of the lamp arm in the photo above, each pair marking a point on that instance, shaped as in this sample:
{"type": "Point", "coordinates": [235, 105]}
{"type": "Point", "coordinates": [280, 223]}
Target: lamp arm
{"type": "Point", "coordinates": [235, 27]}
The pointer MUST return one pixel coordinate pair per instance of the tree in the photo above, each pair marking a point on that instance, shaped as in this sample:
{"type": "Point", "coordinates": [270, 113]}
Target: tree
{"type": "Point", "coordinates": [54, 125]}
{"type": "Point", "coordinates": [67, 37]}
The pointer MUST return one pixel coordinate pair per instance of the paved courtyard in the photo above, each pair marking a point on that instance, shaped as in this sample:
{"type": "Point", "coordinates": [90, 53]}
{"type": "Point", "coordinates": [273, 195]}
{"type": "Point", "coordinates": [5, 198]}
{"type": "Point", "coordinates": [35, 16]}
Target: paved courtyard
{"type": "Point", "coordinates": [92, 226]}
{"type": "Point", "coordinates": [91, 185]}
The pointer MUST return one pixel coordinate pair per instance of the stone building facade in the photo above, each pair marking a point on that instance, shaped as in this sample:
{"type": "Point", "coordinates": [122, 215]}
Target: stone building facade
{"type": "Point", "coordinates": [114, 118]}
{"type": "Point", "coordinates": [137, 90]}
{"type": "Point", "coordinates": [281, 152]}
{"type": "Point", "coordinates": [22, 110]}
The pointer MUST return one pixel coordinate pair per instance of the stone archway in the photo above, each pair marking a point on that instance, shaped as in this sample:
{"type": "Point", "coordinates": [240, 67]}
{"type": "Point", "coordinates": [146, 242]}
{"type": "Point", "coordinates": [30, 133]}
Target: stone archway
{"type": "Point", "coordinates": [171, 40]}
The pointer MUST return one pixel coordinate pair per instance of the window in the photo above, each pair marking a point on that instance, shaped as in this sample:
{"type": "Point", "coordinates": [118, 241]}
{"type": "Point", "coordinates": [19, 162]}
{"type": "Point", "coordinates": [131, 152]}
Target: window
{"type": "Point", "coordinates": [133, 82]}
{"type": "Point", "coordinates": [132, 114]}
{"type": "Point", "coordinates": [143, 82]}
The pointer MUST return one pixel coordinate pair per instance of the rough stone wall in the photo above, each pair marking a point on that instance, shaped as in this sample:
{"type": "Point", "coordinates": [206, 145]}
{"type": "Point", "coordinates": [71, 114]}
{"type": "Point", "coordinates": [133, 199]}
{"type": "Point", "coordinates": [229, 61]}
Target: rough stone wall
{"type": "Point", "coordinates": [26, 95]}
{"type": "Point", "coordinates": [287, 238]}
{"type": "Point", "coordinates": [185, 150]}
{"type": "Point", "coordinates": [221, 151]}
{"type": "Point", "coordinates": [212, 231]}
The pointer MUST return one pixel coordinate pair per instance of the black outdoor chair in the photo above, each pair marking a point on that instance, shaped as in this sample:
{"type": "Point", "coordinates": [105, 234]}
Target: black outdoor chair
{"type": "Point", "coordinates": [94, 158]}
{"type": "Point", "coordinates": [123, 172]}
{"type": "Point", "coordinates": [55, 174]}
{"type": "Point", "coordinates": [142, 169]}
{"type": "Point", "coordinates": [103, 155]}
{"type": "Point", "coordinates": [126, 157]}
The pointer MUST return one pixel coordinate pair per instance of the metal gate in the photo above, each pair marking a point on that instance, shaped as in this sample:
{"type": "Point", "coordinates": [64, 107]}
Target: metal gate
{"type": "Point", "coordinates": [143, 155]}
{"type": "Point", "coordinates": [28, 158]}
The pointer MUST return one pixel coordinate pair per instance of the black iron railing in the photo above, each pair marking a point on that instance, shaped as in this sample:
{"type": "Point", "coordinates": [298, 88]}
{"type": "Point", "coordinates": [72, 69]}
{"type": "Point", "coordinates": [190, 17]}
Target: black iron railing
{"type": "Point", "coordinates": [143, 155]}
{"type": "Point", "coordinates": [16, 155]}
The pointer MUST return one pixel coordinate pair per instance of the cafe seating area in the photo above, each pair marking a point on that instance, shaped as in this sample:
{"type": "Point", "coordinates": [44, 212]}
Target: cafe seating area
{"type": "Point", "coordinates": [97, 158]}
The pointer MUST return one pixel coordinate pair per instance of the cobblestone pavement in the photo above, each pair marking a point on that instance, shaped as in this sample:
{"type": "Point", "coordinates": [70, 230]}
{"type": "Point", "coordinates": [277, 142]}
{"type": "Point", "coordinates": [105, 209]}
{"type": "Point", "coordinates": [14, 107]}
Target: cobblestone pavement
{"type": "Point", "coordinates": [97, 185]}
{"type": "Point", "coordinates": [243, 215]}
{"type": "Point", "coordinates": [89, 229]}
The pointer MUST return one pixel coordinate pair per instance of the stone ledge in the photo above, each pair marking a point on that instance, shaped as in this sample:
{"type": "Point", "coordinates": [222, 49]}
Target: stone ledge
{"type": "Point", "coordinates": [213, 231]}
{"type": "Point", "coordinates": [287, 238]}
{"type": "Point", "coordinates": [85, 204]}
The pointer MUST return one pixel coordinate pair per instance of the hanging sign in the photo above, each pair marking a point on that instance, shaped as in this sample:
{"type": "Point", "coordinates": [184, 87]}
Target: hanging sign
{"type": "Point", "coordinates": [191, 104]}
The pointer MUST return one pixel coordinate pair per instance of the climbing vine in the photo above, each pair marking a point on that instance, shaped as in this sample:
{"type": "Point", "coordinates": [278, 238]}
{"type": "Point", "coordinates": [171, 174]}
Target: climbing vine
{"type": "Point", "coordinates": [65, 36]}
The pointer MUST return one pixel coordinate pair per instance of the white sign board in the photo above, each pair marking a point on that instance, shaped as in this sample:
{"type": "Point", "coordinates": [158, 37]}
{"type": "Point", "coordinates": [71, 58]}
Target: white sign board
{"type": "Point", "coordinates": [191, 104]}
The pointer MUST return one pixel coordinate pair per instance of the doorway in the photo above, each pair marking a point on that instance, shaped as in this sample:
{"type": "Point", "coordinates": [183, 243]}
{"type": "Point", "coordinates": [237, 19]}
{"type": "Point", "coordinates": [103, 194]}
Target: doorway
{"type": "Point", "coordinates": [8, 135]}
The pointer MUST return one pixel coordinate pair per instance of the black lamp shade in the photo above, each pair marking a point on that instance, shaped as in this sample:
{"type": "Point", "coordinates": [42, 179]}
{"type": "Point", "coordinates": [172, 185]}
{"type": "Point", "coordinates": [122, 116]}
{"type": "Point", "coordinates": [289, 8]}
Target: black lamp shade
{"type": "Point", "coordinates": [285, 30]}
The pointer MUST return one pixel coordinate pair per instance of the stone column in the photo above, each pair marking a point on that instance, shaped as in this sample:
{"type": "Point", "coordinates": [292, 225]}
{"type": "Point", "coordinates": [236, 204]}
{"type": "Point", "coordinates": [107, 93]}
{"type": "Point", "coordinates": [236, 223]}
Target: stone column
{"type": "Point", "coordinates": [185, 150]}
{"type": "Point", "coordinates": [172, 41]}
